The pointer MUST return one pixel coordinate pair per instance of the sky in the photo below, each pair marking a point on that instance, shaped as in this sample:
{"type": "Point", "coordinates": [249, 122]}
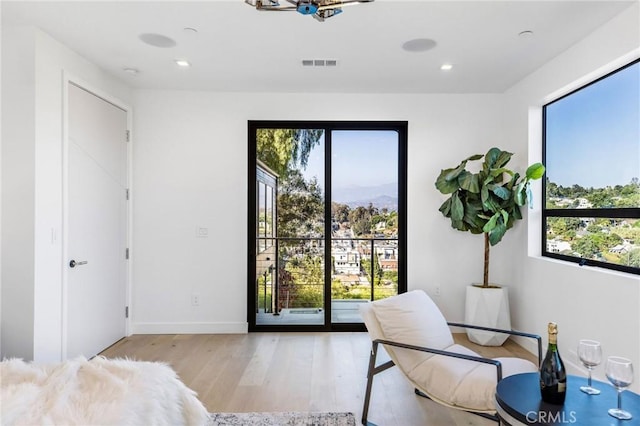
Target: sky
{"type": "Point", "coordinates": [359, 158]}
{"type": "Point", "coordinates": [593, 135]}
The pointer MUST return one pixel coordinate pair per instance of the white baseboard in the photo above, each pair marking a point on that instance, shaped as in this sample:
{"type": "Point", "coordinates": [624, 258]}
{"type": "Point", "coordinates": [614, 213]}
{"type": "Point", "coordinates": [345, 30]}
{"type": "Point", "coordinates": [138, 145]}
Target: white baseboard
{"type": "Point", "coordinates": [189, 328]}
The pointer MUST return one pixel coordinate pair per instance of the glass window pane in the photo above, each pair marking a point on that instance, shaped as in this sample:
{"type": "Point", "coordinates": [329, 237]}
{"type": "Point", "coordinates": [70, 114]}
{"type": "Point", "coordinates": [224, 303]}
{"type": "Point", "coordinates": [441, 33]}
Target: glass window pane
{"type": "Point", "coordinates": [608, 240]}
{"type": "Point", "coordinates": [592, 142]}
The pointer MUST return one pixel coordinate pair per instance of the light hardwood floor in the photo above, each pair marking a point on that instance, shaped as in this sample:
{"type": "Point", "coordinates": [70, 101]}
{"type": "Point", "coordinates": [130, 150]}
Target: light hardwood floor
{"type": "Point", "coordinates": [297, 372]}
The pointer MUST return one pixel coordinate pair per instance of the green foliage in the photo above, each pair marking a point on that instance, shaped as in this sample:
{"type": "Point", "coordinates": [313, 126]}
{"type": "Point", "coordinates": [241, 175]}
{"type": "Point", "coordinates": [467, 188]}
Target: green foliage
{"type": "Point", "coordinates": [618, 196]}
{"type": "Point", "coordinates": [302, 282]}
{"type": "Point", "coordinates": [300, 206]}
{"type": "Point", "coordinates": [282, 149]}
{"type": "Point", "coordinates": [340, 212]}
{"type": "Point", "coordinates": [633, 258]}
{"type": "Point", "coordinates": [361, 219]}
{"type": "Point", "coordinates": [488, 201]}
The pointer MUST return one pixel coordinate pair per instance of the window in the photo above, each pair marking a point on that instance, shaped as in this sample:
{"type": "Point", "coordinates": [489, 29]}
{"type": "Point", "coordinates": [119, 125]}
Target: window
{"type": "Point", "coordinates": [327, 215]}
{"type": "Point", "coordinates": [591, 150]}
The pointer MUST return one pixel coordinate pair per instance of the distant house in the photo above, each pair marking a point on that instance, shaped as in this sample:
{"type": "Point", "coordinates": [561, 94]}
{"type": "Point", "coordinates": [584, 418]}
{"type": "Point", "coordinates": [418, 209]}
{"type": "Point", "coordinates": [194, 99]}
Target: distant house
{"type": "Point", "coordinates": [387, 258]}
{"type": "Point", "coordinates": [620, 249]}
{"type": "Point", "coordinates": [583, 203]}
{"type": "Point", "coordinates": [558, 246]}
{"type": "Point", "coordinates": [345, 261]}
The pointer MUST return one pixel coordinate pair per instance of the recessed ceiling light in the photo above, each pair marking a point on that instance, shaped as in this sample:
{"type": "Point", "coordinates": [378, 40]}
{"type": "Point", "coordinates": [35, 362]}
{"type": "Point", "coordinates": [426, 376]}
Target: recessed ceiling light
{"type": "Point", "coordinates": [157, 40]}
{"type": "Point", "coordinates": [526, 34]}
{"type": "Point", "coordinates": [419, 45]}
{"type": "Point", "coordinates": [132, 71]}
{"type": "Point", "coordinates": [183, 63]}
{"type": "Point", "coordinates": [446, 67]}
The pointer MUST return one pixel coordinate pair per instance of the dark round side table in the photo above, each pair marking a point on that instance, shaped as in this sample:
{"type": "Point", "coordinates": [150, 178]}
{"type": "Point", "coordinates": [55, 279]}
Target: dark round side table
{"type": "Point", "coordinates": [518, 403]}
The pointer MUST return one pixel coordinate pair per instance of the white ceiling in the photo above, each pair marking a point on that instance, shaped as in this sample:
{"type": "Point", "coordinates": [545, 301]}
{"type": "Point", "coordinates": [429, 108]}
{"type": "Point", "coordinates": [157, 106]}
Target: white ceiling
{"type": "Point", "coordinates": [240, 49]}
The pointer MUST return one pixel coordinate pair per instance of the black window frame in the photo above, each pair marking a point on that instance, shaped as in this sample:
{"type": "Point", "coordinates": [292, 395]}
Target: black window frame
{"type": "Point", "coordinates": [607, 213]}
{"type": "Point", "coordinates": [328, 126]}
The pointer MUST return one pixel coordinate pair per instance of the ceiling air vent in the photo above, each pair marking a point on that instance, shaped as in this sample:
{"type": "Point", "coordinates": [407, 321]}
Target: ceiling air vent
{"type": "Point", "coordinates": [319, 62]}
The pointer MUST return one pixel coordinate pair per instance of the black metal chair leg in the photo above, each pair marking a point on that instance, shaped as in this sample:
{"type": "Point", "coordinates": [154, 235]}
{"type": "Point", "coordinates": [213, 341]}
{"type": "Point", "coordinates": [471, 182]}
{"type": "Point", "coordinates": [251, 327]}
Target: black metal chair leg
{"type": "Point", "coordinates": [370, 373]}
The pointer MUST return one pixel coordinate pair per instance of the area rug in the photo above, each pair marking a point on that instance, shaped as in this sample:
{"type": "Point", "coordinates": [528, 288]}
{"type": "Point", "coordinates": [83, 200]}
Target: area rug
{"type": "Point", "coordinates": [281, 419]}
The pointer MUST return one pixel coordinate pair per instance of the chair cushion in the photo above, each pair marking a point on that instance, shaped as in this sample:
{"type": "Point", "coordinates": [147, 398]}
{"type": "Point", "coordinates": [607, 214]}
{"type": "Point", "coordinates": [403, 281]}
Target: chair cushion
{"type": "Point", "coordinates": [466, 384]}
{"type": "Point", "coordinates": [370, 321]}
{"type": "Point", "coordinates": [412, 318]}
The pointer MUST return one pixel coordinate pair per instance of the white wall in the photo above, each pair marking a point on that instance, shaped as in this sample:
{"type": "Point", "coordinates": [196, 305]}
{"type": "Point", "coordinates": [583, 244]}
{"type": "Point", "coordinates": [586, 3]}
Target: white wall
{"type": "Point", "coordinates": [32, 177]}
{"type": "Point", "coordinates": [586, 302]}
{"type": "Point", "coordinates": [190, 169]}
{"type": "Point", "coordinates": [18, 176]}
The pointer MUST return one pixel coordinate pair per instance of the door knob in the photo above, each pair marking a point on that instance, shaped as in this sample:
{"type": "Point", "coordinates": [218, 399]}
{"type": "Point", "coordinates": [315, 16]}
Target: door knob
{"type": "Point", "coordinates": [73, 263]}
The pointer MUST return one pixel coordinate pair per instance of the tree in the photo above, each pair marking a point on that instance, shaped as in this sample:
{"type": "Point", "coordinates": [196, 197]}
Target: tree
{"type": "Point", "coordinates": [300, 206]}
{"type": "Point", "coordinates": [586, 246]}
{"type": "Point", "coordinates": [633, 258]}
{"type": "Point", "coordinates": [360, 220]}
{"type": "Point", "coordinates": [340, 212]}
{"type": "Point", "coordinates": [283, 149]}
{"type": "Point", "coordinates": [485, 202]}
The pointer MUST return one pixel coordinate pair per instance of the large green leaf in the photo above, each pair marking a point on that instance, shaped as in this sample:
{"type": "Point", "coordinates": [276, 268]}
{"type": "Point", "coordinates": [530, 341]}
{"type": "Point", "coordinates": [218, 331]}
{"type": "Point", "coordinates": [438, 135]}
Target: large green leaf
{"type": "Point", "coordinates": [490, 205]}
{"type": "Point", "coordinates": [445, 185]}
{"type": "Point", "coordinates": [500, 191]}
{"type": "Point", "coordinates": [521, 194]}
{"type": "Point", "coordinates": [497, 233]}
{"type": "Point", "coordinates": [491, 224]}
{"type": "Point", "coordinates": [502, 159]}
{"type": "Point", "coordinates": [445, 208]}
{"type": "Point", "coordinates": [454, 173]}
{"type": "Point", "coordinates": [457, 208]}
{"type": "Point", "coordinates": [513, 181]}
{"type": "Point", "coordinates": [505, 216]}
{"type": "Point", "coordinates": [516, 214]}
{"type": "Point", "coordinates": [535, 171]}
{"type": "Point", "coordinates": [484, 194]}
{"type": "Point", "coordinates": [459, 225]}
{"type": "Point", "coordinates": [469, 181]}
{"type": "Point", "coordinates": [491, 157]}
{"type": "Point", "coordinates": [474, 218]}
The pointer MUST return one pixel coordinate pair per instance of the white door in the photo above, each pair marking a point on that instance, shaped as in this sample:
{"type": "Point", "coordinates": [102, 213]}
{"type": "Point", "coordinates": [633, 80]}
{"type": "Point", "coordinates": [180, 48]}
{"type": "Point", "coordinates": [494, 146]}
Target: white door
{"type": "Point", "coordinates": [97, 223]}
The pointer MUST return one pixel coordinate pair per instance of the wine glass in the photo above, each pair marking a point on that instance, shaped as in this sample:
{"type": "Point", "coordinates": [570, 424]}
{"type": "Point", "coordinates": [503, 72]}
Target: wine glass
{"type": "Point", "coordinates": [590, 354]}
{"type": "Point", "coordinates": [620, 373]}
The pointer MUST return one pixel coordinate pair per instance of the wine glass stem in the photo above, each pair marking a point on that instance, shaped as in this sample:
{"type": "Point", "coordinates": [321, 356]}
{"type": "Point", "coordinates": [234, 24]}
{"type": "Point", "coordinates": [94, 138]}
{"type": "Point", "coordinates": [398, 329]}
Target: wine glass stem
{"type": "Point", "coordinates": [589, 380]}
{"type": "Point", "coordinates": [619, 399]}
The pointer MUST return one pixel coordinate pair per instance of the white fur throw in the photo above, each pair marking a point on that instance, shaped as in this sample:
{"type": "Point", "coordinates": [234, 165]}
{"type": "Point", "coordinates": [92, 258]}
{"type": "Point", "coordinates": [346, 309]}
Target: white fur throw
{"type": "Point", "coordinates": [96, 392]}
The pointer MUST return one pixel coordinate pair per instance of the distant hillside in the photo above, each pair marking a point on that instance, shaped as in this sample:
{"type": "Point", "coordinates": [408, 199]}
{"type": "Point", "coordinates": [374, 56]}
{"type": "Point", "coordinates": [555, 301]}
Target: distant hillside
{"type": "Point", "coordinates": [380, 202]}
{"type": "Point", "coordinates": [348, 194]}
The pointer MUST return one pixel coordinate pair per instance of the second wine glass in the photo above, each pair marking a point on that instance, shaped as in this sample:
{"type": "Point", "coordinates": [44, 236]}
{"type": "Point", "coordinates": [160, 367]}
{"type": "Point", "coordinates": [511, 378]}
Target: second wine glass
{"type": "Point", "coordinates": [590, 354]}
{"type": "Point", "coordinates": [620, 373]}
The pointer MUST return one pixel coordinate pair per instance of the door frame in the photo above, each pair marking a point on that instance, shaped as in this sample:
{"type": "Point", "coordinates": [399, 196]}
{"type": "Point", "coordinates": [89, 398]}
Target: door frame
{"type": "Point", "coordinates": [68, 79]}
{"type": "Point", "coordinates": [327, 125]}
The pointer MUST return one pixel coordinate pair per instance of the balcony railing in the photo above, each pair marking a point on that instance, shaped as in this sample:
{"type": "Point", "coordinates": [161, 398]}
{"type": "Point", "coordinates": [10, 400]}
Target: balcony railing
{"type": "Point", "coordinates": [291, 272]}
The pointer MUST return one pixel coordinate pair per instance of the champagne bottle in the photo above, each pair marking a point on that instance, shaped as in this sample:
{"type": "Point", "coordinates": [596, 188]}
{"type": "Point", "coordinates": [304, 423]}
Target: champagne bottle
{"type": "Point", "coordinates": [553, 376]}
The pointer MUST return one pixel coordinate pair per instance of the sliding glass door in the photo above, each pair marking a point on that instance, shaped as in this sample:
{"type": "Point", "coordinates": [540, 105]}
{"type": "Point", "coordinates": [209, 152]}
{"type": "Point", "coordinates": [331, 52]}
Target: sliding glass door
{"type": "Point", "coordinates": [327, 220]}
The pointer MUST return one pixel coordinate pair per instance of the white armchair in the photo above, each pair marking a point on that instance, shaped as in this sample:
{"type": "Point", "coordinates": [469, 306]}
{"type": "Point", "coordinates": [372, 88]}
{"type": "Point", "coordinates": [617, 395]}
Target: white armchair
{"type": "Point", "coordinates": [418, 340]}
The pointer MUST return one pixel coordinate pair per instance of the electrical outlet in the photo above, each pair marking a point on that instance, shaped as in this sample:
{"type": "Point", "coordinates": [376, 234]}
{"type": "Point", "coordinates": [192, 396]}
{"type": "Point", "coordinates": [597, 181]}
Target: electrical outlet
{"type": "Point", "coordinates": [202, 232]}
{"type": "Point", "coordinates": [195, 299]}
{"type": "Point", "coordinates": [437, 291]}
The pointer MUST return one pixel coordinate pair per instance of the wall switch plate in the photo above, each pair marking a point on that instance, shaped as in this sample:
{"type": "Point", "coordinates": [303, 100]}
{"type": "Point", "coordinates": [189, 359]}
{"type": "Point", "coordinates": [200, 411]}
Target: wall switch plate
{"type": "Point", "coordinates": [202, 232]}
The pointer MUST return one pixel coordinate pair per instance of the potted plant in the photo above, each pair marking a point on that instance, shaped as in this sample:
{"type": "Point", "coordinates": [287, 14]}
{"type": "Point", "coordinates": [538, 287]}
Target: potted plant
{"type": "Point", "coordinates": [486, 202]}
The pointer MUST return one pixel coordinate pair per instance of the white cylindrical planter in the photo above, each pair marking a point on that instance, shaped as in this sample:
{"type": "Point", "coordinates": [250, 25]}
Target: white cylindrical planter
{"type": "Point", "coordinates": [487, 307]}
